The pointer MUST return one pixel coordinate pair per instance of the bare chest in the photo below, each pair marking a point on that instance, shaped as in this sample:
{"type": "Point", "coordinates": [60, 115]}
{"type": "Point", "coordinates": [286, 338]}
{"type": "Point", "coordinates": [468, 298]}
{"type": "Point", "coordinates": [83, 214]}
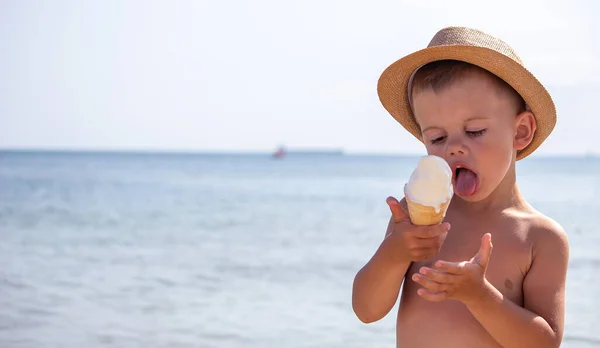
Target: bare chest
{"type": "Point", "coordinates": [509, 262]}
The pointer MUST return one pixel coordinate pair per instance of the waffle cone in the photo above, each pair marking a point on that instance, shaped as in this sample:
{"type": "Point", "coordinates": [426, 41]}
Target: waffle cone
{"type": "Point", "coordinates": [425, 215]}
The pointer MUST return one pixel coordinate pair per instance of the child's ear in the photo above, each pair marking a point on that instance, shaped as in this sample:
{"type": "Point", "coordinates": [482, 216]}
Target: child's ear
{"type": "Point", "coordinates": [525, 127]}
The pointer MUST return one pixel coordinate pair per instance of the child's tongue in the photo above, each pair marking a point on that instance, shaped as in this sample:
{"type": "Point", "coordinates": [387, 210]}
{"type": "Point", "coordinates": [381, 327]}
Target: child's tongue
{"type": "Point", "coordinates": [466, 182]}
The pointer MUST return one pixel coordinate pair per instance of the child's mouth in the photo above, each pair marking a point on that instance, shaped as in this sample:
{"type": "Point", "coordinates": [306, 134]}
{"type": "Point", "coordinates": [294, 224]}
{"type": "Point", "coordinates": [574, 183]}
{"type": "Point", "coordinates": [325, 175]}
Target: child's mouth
{"type": "Point", "coordinates": [465, 181]}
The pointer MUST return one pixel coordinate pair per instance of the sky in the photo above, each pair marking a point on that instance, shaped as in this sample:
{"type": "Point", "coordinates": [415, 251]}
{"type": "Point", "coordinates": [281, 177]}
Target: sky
{"type": "Point", "coordinates": [251, 75]}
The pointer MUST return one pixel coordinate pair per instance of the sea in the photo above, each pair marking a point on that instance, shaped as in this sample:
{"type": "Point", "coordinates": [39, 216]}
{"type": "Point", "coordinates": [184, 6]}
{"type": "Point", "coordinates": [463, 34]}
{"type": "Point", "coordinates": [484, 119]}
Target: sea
{"type": "Point", "coordinates": [101, 249]}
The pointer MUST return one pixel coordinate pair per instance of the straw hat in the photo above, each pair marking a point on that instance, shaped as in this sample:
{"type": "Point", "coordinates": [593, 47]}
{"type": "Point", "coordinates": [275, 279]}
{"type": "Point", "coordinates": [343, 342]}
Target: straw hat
{"type": "Point", "coordinates": [478, 48]}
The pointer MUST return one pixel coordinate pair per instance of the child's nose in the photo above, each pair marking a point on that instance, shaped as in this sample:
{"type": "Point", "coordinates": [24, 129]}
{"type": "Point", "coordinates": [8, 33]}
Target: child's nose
{"type": "Point", "coordinates": [455, 147]}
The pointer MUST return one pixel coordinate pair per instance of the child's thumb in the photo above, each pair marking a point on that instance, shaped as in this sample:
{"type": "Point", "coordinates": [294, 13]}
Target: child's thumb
{"type": "Point", "coordinates": [485, 251]}
{"type": "Point", "coordinates": [399, 213]}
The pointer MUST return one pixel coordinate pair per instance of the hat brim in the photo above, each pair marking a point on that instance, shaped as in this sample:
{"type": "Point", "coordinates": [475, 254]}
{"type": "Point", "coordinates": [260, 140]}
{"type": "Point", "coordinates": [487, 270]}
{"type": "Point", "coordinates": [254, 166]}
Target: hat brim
{"type": "Point", "coordinates": [392, 86]}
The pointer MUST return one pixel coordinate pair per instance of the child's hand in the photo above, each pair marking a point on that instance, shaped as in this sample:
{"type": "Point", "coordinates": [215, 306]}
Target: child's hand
{"type": "Point", "coordinates": [407, 242]}
{"type": "Point", "coordinates": [463, 281]}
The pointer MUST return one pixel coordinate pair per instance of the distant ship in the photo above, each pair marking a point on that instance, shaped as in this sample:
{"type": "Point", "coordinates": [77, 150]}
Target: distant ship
{"type": "Point", "coordinates": [279, 153]}
{"type": "Point", "coordinates": [282, 152]}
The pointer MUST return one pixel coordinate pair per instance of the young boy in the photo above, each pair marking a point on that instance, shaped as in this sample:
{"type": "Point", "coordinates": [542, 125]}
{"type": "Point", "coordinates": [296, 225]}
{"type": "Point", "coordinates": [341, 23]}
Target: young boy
{"type": "Point", "coordinates": [469, 99]}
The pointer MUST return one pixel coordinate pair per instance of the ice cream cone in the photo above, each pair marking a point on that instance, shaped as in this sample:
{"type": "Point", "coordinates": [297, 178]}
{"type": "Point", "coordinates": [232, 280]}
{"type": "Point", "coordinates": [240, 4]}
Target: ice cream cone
{"type": "Point", "coordinates": [426, 215]}
{"type": "Point", "coordinates": [429, 191]}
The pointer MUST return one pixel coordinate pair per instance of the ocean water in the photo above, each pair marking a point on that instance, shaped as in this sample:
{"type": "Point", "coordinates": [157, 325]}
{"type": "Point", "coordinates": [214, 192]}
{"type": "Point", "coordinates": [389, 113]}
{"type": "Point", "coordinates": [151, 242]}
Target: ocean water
{"type": "Point", "coordinates": [188, 250]}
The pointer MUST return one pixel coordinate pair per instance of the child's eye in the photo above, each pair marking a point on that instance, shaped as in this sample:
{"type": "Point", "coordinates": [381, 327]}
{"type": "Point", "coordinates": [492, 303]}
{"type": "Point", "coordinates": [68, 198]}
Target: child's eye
{"type": "Point", "coordinates": [438, 140]}
{"type": "Point", "coordinates": [476, 133]}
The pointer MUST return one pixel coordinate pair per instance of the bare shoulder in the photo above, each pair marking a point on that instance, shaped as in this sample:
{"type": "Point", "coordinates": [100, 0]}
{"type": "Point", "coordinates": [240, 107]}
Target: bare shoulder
{"type": "Point", "coordinates": [547, 240]}
{"type": "Point", "coordinates": [547, 235]}
{"type": "Point", "coordinates": [539, 229]}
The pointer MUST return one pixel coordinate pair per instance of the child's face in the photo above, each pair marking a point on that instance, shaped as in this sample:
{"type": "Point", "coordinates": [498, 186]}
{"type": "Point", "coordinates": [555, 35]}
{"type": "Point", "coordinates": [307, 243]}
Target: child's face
{"type": "Point", "coordinates": [474, 124]}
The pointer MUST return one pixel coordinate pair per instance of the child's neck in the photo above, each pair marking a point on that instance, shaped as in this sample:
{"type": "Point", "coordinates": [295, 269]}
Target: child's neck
{"type": "Point", "coordinates": [505, 196]}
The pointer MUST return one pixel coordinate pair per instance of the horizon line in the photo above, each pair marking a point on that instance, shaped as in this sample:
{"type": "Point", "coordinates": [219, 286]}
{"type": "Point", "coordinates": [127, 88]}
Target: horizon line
{"type": "Point", "coordinates": [292, 151]}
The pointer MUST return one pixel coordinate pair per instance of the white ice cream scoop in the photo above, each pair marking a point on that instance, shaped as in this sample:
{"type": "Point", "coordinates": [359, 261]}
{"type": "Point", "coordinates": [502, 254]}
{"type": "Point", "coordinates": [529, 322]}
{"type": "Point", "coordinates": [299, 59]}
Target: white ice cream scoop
{"type": "Point", "coordinates": [429, 190]}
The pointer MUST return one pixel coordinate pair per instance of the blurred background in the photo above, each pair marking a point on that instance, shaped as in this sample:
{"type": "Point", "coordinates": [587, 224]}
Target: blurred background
{"type": "Point", "coordinates": [214, 174]}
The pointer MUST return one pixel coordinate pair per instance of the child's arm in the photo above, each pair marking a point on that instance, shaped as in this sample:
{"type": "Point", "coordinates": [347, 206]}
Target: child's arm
{"type": "Point", "coordinates": [540, 322]}
{"type": "Point", "coordinates": [377, 285]}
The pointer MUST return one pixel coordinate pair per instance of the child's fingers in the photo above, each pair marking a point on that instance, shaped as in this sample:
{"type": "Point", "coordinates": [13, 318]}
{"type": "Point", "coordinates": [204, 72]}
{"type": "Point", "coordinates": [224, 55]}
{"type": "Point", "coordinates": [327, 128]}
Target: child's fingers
{"type": "Point", "coordinates": [429, 284]}
{"type": "Point", "coordinates": [431, 231]}
{"type": "Point", "coordinates": [451, 267]}
{"type": "Point", "coordinates": [432, 296]}
{"type": "Point", "coordinates": [398, 213]}
{"type": "Point", "coordinates": [485, 251]}
{"type": "Point", "coordinates": [439, 276]}
{"type": "Point", "coordinates": [428, 243]}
